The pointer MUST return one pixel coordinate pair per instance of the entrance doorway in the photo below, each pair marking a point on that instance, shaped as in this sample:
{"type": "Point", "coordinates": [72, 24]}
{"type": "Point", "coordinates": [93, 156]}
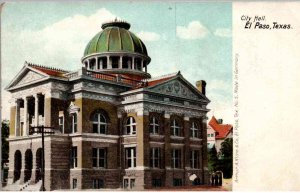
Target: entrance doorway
{"type": "Point", "coordinates": [128, 183]}
{"type": "Point", "coordinates": [28, 165]}
{"type": "Point", "coordinates": [38, 170]}
{"type": "Point", "coordinates": [17, 165]}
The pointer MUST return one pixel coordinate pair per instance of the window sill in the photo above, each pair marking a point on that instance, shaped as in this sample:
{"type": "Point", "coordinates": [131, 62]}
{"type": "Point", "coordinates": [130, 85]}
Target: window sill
{"type": "Point", "coordinates": [176, 137]}
{"type": "Point", "coordinates": [195, 139]}
{"type": "Point", "coordinates": [99, 168]}
{"type": "Point", "coordinates": [152, 168]}
{"type": "Point", "coordinates": [156, 136]}
{"type": "Point", "coordinates": [129, 135]}
{"type": "Point", "coordinates": [178, 169]}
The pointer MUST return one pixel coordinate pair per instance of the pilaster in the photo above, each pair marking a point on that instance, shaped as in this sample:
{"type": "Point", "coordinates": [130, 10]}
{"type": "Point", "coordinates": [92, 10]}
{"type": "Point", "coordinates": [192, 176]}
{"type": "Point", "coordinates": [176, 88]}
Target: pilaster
{"type": "Point", "coordinates": [36, 110]}
{"type": "Point", "coordinates": [26, 118]}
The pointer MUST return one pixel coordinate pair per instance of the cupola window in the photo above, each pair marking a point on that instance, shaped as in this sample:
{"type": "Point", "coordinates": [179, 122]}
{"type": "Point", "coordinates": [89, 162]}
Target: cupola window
{"type": "Point", "coordinates": [126, 63]}
{"type": "Point", "coordinates": [115, 62]}
{"type": "Point", "coordinates": [93, 64]}
{"type": "Point", "coordinates": [137, 64]}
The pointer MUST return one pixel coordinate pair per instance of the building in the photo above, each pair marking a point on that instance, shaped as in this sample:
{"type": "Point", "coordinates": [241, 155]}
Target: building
{"type": "Point", "coordinates": [115, 126]}
{"type": "Point", "coordinates": [217, 132]}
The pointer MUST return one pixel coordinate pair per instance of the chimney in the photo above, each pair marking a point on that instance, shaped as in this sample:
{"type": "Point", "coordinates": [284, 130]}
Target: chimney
{"type": "Point", "coordinates": [201, 84]}
{"type": "Point", "coordinates": [220, 121]}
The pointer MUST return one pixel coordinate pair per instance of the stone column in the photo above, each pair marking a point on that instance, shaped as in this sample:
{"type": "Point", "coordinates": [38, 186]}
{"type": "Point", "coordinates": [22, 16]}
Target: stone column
{"type": "Point", "coordinates": [17, 119]}
{"type": "Point", "coordinates": [33, 170]}
{"type": "Point", "coordinates": [120, 62]}
{"type": "Point", "coordinates": [36, 110]}
{"type": "Point", "coordinates": [108, 63]}
{"type": "Point", "coordinates": [186, 150]}
{"type": "Point", "coordinates": [96, 64]}
{"type": "Point", "coordinates": [22, 171]}
{"type": "Point", "coordinates": [168, 153]}
{"type": "Point", "coordinates": [132, 65]}
{"type": "Point", "coordinates": [101, 63]}
{"type": "Point", "coordinates": [88, 64]}
{"type": "Point", "coordinates": [26, 121]}
{"type": "Point", "coordinates": [204, 157]}
{"type": "Point", "coordinates": [47, 110]}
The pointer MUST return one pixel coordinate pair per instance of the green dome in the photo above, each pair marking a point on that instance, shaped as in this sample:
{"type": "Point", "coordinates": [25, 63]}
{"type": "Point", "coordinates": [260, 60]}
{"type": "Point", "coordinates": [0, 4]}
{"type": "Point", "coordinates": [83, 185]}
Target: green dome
{"type": "Point", "coordinates": [115, 37]}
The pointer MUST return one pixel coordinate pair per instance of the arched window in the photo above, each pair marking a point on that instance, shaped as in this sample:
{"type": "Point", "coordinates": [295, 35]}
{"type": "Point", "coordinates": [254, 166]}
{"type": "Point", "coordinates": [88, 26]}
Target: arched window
{"type": "Point", "coordinates": [154, 125]}
{"type": "Point", "coordinates": [194, 130]}
{"type": "Point", "coordinates": [175, 128]}
{"type": "Point", "coordinates": [130, 126]}
{"type": "Point", "coordinates": [99, 123]}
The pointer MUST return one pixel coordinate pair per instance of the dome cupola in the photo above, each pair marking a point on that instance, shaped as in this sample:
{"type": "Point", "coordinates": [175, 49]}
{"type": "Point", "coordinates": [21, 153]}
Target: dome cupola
{"type": "Point", "coordinates": [116, 50]}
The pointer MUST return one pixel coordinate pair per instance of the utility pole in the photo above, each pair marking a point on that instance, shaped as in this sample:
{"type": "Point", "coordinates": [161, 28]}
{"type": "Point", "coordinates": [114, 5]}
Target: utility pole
{"type": "Point", "coordinates": [41, 130]}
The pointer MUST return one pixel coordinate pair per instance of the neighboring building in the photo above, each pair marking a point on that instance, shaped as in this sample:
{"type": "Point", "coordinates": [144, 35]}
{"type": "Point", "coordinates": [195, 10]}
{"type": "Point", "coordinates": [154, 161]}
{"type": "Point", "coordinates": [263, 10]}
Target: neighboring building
{"type": "Point", "coordinates": [115, 126]}
{"type": "Point", "coordinates": [217, 132]}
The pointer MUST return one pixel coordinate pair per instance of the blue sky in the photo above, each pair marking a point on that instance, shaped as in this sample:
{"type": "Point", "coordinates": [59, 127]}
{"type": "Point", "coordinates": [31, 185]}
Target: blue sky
{"type": "Point", "coordinates": [194, 38]}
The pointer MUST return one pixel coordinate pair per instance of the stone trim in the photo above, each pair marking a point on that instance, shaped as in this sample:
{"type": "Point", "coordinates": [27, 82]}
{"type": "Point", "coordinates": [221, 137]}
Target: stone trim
{"type": "Point", "coordinates": [156, 144]}
{"type": "Point", "coordinates": [177, 144]}
{"type": "Point", "coordinates": [176, 137]}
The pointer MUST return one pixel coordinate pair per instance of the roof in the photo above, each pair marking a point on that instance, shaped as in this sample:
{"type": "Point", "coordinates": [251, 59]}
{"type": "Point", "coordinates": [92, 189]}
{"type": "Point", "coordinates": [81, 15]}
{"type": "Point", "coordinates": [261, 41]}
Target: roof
{"type": "Point", "coordinates": [222, 129]}
{"type": "Point", "coordinates": [48, 70]}
{"type": "Point", "coordinates": [157, 80]}
{"type": "Point", "coordinates": [154, 81]}
{"type": "Point", "coordinates": [115, 37]}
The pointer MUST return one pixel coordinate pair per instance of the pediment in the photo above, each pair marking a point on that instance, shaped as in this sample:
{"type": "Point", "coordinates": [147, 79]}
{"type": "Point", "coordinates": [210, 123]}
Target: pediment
{"type": "Point", "coordinates": [26, 76]}
{"type": "Point", "coordinates": [30, 76]}
{"type": "Point", "coordinates": [179, 87]}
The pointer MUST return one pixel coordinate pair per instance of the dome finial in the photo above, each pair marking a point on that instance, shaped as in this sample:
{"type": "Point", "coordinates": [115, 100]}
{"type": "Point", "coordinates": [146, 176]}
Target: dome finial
{"type": "Point", "coordinates": [116, 23]}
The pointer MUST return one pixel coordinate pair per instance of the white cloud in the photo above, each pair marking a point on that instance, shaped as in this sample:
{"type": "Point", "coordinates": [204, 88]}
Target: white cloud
{"type": "Point", "coordinates": [68, 36]}
{"type": "Point", "coordinates": [194, 30]}
{"type": "Point", "coordinates": [148, 36]}
{"type": "Point", "coordinates": [59, 45]}
{"type": "Point", "coordinates": [223, 32]}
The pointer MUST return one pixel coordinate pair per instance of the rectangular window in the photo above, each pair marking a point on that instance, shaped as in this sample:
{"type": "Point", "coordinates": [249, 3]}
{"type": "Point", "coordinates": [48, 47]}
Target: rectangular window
{"type": "Point", "coordinates": [128, 183]}
{"type": "Point", "coordinates": [194, 159]}
{"type": "Point", "coordinates": [177, 182]}
{"type": "Point", "coordinates": [74, 123]}
{"type": "Point", "coordinates": [99, 157]}
{"type": "Point", "coordinates": [155, 157]}
{"type": "Point", "coordinates": [74, 157]}
{"type": "Point", "coordinates": [61, 124]}
{"type": "Point", "coordinates": [125, 183]}
{"type": "Point", "coordinates": [176, 158]}
{"type": "Point", "coordinates": [74, 183]}
{"type": "Point", "coordinates": [130, 157]}
{"type": "Point", "coordinates": [98, 183]}
{"type": "Point", "coordinates": [156, 183]}
{"type": "Point", "coordinates": [132, 183]}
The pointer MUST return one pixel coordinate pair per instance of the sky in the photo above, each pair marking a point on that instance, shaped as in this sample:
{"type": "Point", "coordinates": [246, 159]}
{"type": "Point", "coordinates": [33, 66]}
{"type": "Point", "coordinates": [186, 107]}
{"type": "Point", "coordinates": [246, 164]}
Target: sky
{"type": "Point", "coordinates": [193, 38]}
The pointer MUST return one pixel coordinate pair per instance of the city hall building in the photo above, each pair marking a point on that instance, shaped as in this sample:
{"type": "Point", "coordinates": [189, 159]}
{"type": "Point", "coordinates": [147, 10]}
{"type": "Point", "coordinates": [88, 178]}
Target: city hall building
{"type": "Point", "coordinates": [115, 126]}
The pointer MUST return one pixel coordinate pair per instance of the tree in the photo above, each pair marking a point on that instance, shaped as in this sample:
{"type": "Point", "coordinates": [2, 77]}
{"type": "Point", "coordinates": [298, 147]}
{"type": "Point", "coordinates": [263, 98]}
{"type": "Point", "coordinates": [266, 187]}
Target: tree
{"type": "Point", "coordinates": [5, 134]}
{"type": "Point", "coordinates": [213, 162]}
{"type": "Point", "coordinates": [226, 158]}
